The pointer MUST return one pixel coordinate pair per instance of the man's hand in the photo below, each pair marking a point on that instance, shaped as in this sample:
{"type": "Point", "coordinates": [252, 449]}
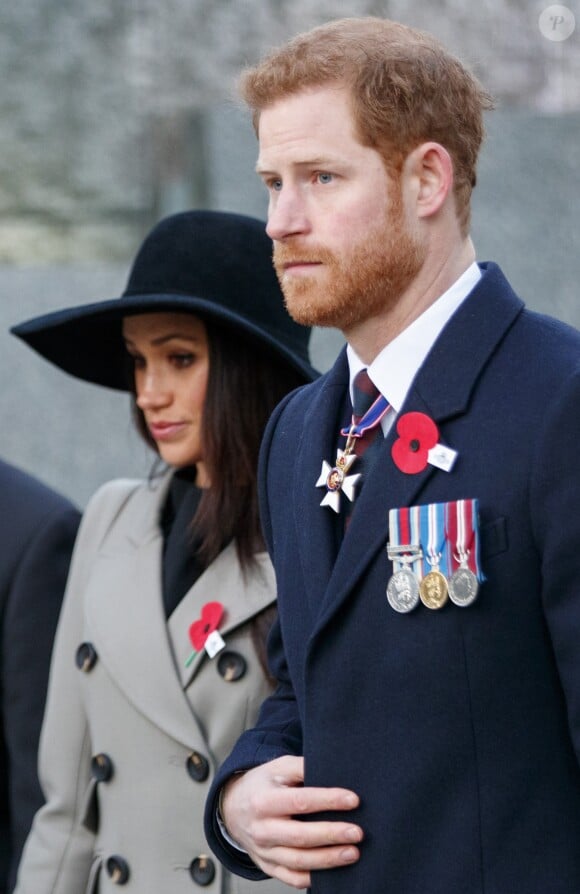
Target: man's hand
{"type": "Point", "coordinates": [260, 808]}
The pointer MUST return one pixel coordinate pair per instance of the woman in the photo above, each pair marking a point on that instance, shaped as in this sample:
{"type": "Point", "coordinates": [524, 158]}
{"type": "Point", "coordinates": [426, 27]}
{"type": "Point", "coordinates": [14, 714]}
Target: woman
{"type": "Point", "coordinates": [158, 662]}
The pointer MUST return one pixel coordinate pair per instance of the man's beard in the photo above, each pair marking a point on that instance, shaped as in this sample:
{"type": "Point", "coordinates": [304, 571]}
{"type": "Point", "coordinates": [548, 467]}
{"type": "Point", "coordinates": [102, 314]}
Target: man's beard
{"type": "Point", "coordinates": [361, 283]}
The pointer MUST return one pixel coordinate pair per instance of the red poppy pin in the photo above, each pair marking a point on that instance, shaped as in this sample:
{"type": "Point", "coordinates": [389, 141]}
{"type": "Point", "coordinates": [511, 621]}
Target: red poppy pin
{"type": "Point", "coordinates": [417, 445]}
{"type": "Point", "coordinates": [202, 629]}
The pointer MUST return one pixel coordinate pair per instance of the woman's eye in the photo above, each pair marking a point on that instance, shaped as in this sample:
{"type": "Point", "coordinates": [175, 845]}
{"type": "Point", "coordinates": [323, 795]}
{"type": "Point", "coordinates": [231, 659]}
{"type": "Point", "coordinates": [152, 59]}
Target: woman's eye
{"type": "Point", "coordinates": [182, 360]}
{"type": "Point", "coordinates": [137, 361]}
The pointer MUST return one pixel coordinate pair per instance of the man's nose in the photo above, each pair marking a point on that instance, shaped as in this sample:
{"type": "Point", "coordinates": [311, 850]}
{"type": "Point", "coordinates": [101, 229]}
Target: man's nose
{"type": "Point", "coordinates": [287, 215]}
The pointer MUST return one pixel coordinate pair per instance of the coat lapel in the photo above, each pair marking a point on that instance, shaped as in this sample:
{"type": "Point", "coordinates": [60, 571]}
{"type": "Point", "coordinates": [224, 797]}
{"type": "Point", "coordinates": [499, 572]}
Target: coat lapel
{"type": "Point", "coordinates": [125, 616]}
{"type": "Point", "coordinates": [145, 653]}
{"type": "Point", "coordinates": [442, 390]}
{"type": "Point", "coordinates": [316, 526]}
{"type": "Point", "coordinates": [242, 595]}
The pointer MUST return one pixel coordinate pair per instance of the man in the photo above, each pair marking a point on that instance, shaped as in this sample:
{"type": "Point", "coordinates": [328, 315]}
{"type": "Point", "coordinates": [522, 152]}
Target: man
{"type": "Point", "coordinates": [38, 530]}
{"type": "Point", "coordinates": [426, 744]}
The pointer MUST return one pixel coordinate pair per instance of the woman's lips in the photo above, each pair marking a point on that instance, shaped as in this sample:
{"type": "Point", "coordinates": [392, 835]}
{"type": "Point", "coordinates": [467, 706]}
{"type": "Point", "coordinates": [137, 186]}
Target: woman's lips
{"type": "Point", "coordinates": [165, 431]}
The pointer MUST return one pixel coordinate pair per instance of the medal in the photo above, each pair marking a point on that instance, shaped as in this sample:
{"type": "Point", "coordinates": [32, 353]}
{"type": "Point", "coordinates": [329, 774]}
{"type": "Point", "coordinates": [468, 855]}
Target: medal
{"type": "Point", "coordinates": [461, 525]}
{"type": "Point", "coordinates": [463, 586]}
{"type": "Point", "coordinates": [403, 590]}
{"type": "Point", "coordinates": [433, 589]}
{"type": "Point", "coordinates": [335, 478]}
{"type": "Point", "coordinates": [403, 585]}
{"type": "Point", "coordinates": [435, 553]}
{"type": "Point", "coordinates": [337, 481]}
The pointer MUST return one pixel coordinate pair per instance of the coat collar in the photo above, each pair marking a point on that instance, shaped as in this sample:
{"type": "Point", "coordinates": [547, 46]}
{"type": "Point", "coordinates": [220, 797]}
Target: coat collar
{"type": "Point", "coordinates": [144, 653]}
{"type": "Point", "coordinates": [442, 390]}
{"type": "Point", "coordinates": [142, 514]}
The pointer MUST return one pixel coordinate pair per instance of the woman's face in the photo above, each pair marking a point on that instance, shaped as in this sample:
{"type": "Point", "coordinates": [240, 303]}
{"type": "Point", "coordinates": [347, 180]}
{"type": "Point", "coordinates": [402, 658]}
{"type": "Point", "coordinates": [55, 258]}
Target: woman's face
{"type": "Point", "coordinates": [170, 353]}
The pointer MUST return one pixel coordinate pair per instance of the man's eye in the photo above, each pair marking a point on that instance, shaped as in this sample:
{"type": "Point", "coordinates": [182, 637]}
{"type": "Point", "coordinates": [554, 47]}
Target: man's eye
{"type": "Point", "coordinates": [324, 177]}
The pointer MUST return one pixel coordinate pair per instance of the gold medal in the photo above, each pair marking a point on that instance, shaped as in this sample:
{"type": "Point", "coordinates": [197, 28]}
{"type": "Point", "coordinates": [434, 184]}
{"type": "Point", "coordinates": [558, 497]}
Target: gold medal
{"type": "Point", "coordinates": [433, 590]}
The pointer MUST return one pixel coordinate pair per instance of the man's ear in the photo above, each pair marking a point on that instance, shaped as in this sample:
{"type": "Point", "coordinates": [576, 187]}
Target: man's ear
{"type": "Point", "coordinates": [430, 172]}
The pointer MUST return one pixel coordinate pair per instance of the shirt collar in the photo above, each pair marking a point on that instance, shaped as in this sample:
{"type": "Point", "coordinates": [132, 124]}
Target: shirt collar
{"type": "Point", "coordinates": [395, 367]}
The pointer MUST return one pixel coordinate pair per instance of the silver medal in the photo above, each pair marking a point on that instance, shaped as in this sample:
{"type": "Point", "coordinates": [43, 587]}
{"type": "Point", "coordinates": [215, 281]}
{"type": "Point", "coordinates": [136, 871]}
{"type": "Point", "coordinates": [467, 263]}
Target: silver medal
{"type": "Point", "coordinates": [463, 587]}
{"type": "Point", "coordinates": [403, 591]}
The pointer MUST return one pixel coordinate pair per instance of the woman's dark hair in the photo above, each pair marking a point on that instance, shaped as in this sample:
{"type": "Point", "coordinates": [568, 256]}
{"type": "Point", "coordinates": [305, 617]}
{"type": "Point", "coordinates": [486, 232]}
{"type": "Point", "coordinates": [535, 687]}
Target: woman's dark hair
{"type": "Point", "coordinates": [245, 383]}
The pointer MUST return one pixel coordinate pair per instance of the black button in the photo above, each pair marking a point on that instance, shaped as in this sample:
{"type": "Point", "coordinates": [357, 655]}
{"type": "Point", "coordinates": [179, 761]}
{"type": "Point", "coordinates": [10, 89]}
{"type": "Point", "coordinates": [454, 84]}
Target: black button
{"type": "Point", "coordinates": [118, 870]}
{"type": "Point", "coordinates": [86, 657]}
{"type": "Point", "coordinates": [414, 445]}
{"type": "Point", "coordinates": [232, 666]}
{"type": "Point", "coordinates": [102, 767]}
{"type": "Point", "coordinates": [202, 870]}
{"type": "Point", "coordinates": [197, 766]}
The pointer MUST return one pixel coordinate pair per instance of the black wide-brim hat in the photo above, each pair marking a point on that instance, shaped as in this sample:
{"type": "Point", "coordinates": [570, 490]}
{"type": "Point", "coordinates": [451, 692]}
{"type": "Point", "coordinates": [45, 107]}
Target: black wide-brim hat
{"type": "Point", "coordinates": [216, 265]}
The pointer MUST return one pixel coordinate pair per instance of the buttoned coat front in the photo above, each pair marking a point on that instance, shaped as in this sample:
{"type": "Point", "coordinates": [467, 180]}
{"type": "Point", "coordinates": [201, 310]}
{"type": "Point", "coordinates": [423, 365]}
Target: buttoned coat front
{"type": "Point", "coordinates": [133, 731]}
{"type": "Point", "coordinates": [458, 728]}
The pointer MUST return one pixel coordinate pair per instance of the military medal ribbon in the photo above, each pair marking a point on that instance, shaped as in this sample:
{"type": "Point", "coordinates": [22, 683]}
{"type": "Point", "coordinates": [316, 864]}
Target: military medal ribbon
{"type": "Point", "coordinates": [462, 533]}
{"type": "Point", "coordinates": [433, 589]}
{"type": "Point", "coordinates": [336, 479]}
{"type": "Point", "coordinates": [404, 551]}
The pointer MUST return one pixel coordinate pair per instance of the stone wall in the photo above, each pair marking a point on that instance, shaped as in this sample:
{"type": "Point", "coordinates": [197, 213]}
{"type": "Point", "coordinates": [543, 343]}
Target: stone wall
{"type": "Point", "coordinates": [103, 105]}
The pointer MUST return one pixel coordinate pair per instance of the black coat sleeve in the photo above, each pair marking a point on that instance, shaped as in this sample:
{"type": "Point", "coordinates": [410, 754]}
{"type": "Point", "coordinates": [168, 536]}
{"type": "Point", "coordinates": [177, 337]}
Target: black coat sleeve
{"type": "Point", "coordinates": [39, 529]}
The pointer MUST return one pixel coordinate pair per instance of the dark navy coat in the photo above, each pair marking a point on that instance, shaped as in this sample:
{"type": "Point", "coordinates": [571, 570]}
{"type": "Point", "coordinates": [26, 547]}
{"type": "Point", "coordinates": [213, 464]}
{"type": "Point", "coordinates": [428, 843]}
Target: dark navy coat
{"type": "Point", "coordinates": [458, 728]}
{"type": "Point", "coordinates": [37, 531]}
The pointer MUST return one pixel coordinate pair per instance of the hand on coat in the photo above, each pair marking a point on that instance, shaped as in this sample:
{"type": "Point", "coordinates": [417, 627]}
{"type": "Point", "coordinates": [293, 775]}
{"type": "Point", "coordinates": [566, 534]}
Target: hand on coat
{"type": "Point", "coordinates": [260, 809]}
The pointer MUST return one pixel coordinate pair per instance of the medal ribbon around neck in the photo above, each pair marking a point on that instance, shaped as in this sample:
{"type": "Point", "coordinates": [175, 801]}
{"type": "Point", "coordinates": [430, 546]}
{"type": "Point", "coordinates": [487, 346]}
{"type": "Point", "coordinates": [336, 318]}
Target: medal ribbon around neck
{"type": "Point", "coordinates": [371, 418]}
{"type": "Point", "coordinates": [335, 478]}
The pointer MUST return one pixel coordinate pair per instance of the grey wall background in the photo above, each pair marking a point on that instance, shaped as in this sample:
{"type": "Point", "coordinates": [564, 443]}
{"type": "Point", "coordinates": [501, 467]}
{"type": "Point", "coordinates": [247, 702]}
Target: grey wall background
{"type": "Point", "coordinates": [113, 116]}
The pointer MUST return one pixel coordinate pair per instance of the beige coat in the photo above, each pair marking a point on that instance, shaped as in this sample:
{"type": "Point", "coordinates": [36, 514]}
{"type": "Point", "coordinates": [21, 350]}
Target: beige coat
{"type": "Point", "coordinates": [133, 715]}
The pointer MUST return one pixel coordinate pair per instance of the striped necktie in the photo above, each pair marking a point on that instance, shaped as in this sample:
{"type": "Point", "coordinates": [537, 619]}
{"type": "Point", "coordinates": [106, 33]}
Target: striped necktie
{"type": "Point", "coordinates": [364, 394]}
